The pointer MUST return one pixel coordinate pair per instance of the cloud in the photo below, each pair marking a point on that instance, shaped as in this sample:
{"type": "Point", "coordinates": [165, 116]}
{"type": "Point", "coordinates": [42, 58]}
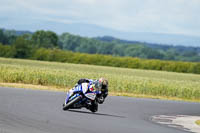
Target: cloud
{"type": "Point", "coordinates": [171, 16]}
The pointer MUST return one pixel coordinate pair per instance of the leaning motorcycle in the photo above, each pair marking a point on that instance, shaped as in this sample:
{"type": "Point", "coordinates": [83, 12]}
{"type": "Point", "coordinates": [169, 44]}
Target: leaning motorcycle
{"type": "Point", "coordinates": [81, 96]}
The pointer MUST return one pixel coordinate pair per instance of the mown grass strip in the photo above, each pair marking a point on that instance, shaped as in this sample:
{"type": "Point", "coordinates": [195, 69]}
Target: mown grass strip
{"type": "Point", "coordinates": [61, 89]}
{"type": "Point", "coordinates": [34, 87]}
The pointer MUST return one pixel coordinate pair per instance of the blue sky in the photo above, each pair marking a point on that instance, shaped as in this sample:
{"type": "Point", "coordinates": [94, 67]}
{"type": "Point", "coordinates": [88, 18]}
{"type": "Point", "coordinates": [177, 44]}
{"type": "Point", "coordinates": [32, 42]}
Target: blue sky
{"type": "Point", "coordinates": [155, 16]}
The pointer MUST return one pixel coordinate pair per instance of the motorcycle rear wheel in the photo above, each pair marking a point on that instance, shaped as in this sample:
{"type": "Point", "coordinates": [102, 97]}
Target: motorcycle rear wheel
{"type": "Point", "coordinates": [94, 107]}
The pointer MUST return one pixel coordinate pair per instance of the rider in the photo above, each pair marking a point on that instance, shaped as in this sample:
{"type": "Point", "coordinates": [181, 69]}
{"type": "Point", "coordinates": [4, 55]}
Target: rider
{"type": "Point", "coordinates": [101, 85]}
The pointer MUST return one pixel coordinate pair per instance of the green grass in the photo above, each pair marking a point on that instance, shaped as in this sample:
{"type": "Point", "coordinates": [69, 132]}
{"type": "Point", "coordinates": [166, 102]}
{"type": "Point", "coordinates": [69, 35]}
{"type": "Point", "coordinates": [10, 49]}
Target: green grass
{"type": "Point", "coordinates": [121, 80]}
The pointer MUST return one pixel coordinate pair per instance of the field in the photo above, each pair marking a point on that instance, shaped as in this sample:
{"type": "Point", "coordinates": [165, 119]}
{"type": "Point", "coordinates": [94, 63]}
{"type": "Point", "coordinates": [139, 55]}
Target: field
{"type": "Point", "coordinates": [121, 81]}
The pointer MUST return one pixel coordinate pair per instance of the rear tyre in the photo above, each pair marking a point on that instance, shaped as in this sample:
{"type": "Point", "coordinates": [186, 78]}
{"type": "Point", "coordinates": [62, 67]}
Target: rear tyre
{"type": "Point", "coordinates": [70, 103]}
{"type": "Point", "coordinates": [94, 107]}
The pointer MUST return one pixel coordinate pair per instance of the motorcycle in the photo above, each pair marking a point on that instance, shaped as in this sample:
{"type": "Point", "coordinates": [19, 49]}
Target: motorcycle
{"type": "Point", "coordinates": [81, 96]}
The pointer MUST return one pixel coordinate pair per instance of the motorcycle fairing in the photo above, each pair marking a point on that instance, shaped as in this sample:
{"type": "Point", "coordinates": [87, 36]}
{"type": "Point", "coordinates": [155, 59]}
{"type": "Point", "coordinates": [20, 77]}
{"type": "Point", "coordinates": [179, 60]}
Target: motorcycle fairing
{"type": "Point", "coordinates": [78, 88]}
{"type": "Point", "coordinates": [84, 87]}
{"type": "Point", "coordinates": [91, 95]}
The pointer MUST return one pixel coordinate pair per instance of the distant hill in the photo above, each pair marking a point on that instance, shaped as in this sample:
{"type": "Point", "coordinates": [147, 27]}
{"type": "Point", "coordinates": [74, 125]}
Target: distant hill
{"type": "Point", "coordinates": [92, 30]}
{"type": "Point", "coordinates": [179, 48]}
{"type": "Point", "coordinates": [16, 32]}
{"type": "Point", "coordinates": [161, 38]}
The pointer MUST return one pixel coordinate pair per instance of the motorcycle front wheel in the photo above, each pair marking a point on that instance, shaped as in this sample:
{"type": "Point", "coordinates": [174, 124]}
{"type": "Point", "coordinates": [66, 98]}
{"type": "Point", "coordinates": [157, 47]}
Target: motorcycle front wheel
{"type": "Point", "coordinates": [73, 101]}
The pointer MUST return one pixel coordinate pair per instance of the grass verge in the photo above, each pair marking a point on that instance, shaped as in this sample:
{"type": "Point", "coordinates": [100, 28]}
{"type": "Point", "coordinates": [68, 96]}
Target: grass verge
{"type": "Point", "coordinates": [62, 89]}
{"type": "Point", "coordinates": [34, 87]}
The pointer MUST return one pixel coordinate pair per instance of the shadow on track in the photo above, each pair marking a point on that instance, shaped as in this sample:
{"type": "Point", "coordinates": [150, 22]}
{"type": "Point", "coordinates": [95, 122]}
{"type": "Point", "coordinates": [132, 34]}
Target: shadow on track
{"type": "Point", "coordinates": [78, 111]}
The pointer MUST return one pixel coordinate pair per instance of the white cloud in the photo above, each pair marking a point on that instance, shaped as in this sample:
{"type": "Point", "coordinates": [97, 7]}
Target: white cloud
{"type": "Point", "coordinates": [166, 16]}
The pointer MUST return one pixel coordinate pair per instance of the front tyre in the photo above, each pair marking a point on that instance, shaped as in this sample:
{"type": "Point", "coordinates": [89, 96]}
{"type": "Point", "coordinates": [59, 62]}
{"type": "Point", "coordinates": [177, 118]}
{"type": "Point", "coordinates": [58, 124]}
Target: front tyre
{"type": "Point", "coordinates": [70, 103]}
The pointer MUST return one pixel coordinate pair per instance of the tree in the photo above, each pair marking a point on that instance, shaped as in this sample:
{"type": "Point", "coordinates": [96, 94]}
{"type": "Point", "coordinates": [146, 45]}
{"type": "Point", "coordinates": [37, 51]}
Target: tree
{"type": "Point", "coordinates": [118, 50]}
{"type": "Point", "coordinates": [22, 48]}
{"type": "Point", "coordinates": [105, 48]}
{"type": "Point", "coordinates": [3, 37]}
{"type": "Point", "coordinates": [45, 39]}
{"type": "Point", "coordinates": [69, 42]}
{"type": "Point", "coordinates": [6, 51]}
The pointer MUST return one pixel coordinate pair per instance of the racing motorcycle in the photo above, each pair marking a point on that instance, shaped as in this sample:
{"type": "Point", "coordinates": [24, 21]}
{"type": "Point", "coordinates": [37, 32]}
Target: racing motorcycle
{"type": "Point", "coordinates": [81, 96]}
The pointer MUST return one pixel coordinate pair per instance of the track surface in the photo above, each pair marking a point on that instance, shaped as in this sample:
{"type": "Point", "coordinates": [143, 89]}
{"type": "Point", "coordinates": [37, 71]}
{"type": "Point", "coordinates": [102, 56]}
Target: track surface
{"type": "Point", "coordinates": [33, 111]}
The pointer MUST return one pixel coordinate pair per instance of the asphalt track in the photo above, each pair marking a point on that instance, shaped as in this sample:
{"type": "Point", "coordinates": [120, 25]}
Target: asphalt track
{"type": "Point", "coordinates": [33, 111]}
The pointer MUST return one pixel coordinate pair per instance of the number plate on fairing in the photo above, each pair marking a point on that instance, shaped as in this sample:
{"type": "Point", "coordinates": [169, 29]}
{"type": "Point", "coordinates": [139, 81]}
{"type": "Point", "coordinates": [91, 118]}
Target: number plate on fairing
{"type": "Point", "coordinates": [90, 96]}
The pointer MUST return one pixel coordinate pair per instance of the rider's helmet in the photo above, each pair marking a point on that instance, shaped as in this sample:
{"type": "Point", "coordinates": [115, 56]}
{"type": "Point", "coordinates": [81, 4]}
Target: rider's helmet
{"type": "Point", "coordinates": [101, 85]}
{"type": "Point", "coordinates": [104, 84]}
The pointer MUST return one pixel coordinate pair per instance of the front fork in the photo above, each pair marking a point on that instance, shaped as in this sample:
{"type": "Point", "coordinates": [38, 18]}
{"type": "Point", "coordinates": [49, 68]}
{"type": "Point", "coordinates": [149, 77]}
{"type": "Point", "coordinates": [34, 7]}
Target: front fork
{"type": "Point", "coordinates": [69, 93]}
{"type": "Point", "coordinates": [67, 98]}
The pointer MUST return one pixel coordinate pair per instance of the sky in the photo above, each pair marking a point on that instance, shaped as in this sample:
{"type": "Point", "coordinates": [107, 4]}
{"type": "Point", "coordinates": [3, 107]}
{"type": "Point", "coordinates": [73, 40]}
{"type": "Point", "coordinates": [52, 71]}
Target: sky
{"type": "Point", "coordinates": [154, 16]}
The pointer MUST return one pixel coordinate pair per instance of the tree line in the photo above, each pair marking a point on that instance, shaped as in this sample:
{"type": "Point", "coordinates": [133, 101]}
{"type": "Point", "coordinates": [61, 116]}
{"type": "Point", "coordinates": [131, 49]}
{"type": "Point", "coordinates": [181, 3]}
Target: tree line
{"type": "Point", "coordinates": [48, 46]}
{"type": "Point", "coordinates": [116, 47]}
{"type": "Point", "coordinates": [103, 45]}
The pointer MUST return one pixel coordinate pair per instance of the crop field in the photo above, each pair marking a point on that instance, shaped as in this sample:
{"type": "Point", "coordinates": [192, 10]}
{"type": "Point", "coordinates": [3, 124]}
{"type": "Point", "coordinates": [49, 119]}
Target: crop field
{"type": "Point", "coordinates": [121, 80]}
